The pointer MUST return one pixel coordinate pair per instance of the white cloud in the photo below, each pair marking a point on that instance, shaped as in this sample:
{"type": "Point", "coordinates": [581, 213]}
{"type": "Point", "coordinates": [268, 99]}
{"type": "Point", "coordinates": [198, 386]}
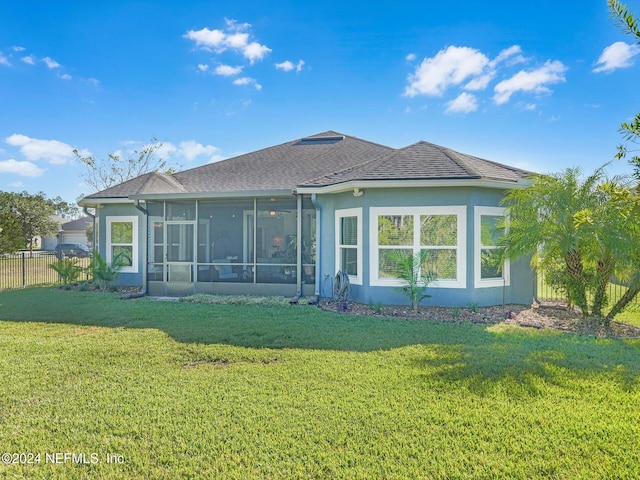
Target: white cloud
{"type": "Point", "coordinates": [164, 150]}
{"type": "Point", "coordinates": [235, 38]}
{"type": "Point", "coordinates": [464, 103]}
{"type": "Point", "coordinates": [616, 55]}
{"type": "Point", "coordinates": [65, 76]}
{"type": "Point", "coordinates": [191, 149]}
{"type": "Point", "coordinates": [29, 60]}
{"type": "Point", "coordinates": [202, 67]}
{"type": "Point", "coordinates": [25, 169]}
{"type": "Point", "coordinates": [51, 63]}
{"type": "Point", "coordinates": [254, 51]}
{"type": "Point", "coordinates": [481, 82]}
{"type": "Point", "coordinates": [18, 48]}
{"type": "Point", "coordinates": [287, 66]}
{"type": "Point", "coordinates": [17, 184]}
{"type": "Point", "coordinates": [4, 61]}
{"type": "Point", "coordinates": [513, 54]}
{"type": "Point", "coordinates": [411, 57]}
{"type": "Point", "coordinates": [227, 70]}
{"type": "Point", "coordinates": [207, 38]}
{"type": "Point", "coordinates": [449, 67]}
{"type": "Point", "coordinates": [247, 81]}
{"type": "Point", "coordinates": [530, 81]}
{"type": "Point", "coordinates": [53, 151]}
{"type": "Point", "coordinates": [530, 107]}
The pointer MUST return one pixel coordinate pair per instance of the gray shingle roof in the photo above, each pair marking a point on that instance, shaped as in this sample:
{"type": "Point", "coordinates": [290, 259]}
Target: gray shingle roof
{"type": "Point", "coordinates": [283, 166]}
{"type": "Point", "coordinates": [324, 159]}
{"type": "Point", "coordinates": [77, 224]}
{"type": "Point", "coordinates": [423, 161]}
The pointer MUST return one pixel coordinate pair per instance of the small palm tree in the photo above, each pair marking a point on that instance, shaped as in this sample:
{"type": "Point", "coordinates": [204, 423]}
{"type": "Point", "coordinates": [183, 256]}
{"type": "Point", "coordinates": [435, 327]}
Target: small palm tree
{"type": "Point", "coordinates": [103, 272]}
{"type": "Point", "coordinates": [409, 268]}
{"type": "Point", "coordinates": [68, 269]}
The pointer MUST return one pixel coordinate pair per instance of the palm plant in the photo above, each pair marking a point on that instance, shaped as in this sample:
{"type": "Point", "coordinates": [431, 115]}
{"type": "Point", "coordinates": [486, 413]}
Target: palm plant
{"type": "Point", "coordinates": [68, 270]}
{"type": "Point", "coordinates": [584, 231]}
{"type": "Point", "coordinates": [410, 269]}
{"type": "Point", "coordinates": [104, 272]}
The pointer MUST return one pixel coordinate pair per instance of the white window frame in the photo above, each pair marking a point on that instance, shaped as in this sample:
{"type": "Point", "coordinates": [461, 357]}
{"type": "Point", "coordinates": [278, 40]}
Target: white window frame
{"type": "Point", "coordinates": [461, 247]}
{"type": "Point", "coordinates": [340, 214]}
{"type": "Point", "coordinates": [134, 233]}
{"type": "Point", "coordinates": [479, 282]}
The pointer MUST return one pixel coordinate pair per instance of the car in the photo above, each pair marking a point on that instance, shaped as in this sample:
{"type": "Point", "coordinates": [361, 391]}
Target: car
{"type": "Point", "coordinates": [71, 250]}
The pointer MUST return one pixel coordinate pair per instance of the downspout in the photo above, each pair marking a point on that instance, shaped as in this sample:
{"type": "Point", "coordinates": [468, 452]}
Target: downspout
{"type": "Point", "coordinates": [316, 203]}
{"type": "Point", "coordinates": [299, 246]}
{"type": "Point", "coordinates": [86, 212]}
{"type": "Point", "coordinates": [145, 250]}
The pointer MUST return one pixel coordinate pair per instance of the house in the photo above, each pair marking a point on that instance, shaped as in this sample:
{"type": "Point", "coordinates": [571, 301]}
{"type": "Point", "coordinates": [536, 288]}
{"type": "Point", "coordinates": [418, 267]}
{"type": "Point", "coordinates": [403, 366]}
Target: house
{"type": "Point", "coordinates": [69, 231]}
{"type": "Point", "coordinates": [284, 220]}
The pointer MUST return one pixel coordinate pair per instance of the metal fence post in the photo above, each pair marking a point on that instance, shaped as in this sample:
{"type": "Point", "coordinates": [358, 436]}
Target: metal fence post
{"type": "Point", "coordinates": [24, 272]}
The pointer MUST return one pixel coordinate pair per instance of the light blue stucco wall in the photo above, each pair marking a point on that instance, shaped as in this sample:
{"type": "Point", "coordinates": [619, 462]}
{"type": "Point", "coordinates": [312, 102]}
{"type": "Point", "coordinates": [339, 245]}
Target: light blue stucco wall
{"type": "Point", "coordinates": [116, 210]}
{"type": "Point", "coordinates": [521, 286]}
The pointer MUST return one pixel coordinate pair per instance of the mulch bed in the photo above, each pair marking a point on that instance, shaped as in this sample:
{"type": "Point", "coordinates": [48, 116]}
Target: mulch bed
{"type": "Point", "coordinates": [533, 316]}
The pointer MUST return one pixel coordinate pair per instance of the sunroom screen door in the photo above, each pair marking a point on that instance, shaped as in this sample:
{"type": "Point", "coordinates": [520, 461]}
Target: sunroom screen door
{"type": "Point", "coordinates": [180, 254]}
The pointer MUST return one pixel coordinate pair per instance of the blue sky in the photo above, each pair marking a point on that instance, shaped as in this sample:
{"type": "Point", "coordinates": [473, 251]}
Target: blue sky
{"type": "Point", "coordinates": [540, 85]}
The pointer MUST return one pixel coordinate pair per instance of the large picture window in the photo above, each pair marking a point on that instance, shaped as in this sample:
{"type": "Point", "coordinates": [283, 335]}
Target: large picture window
{"type": "Point", "coordinates": [489, 271]}
{"type": "Point", "coordinates": [349, 243]}
{"type": "Point", "coordinates": [122, 242]}
{"type": "Point", "coordinates": [440, 231]}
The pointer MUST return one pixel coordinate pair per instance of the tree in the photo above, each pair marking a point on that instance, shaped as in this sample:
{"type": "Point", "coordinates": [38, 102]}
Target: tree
{"type": "Point", "coordinates": [65, 209]}
{"type": "Point", "coordinates": [630, 130]}
{"type": "Point", "coordinates": [119, 166]}
{"type": "Point", "coordinates": [631, 134]}
{"type": "Point", "coordinates": [582, 231]}
{"type": "Point", "coordinates": [23, 217]}
{"type": "Point", "coordinates": [542, 224]}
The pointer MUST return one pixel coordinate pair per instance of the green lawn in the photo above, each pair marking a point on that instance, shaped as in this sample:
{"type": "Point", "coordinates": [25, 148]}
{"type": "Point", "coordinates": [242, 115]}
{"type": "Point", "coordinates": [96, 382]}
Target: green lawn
{"type": "Point", "coordinates": [212, 391]}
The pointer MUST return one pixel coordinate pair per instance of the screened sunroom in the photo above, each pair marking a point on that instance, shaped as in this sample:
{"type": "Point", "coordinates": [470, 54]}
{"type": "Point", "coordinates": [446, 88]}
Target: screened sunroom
{"type": "Point", "coordinates": [232, 246]}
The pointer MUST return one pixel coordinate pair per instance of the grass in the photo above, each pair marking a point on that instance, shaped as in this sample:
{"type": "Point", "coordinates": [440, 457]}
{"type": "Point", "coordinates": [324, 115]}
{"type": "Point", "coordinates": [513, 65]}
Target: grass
{"type": "Point", "coordinates": [184, 390]}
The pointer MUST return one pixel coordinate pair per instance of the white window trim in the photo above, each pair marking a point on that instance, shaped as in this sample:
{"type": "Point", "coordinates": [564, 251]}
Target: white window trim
{"type": "Point", "coordinates": [461, 257]}
{"type": "Point", "coordinates": [134, 232]}
{"type": "Point", "coordinates": [340, 214]}
{"type": "Point", "coordinates": [479, 282]}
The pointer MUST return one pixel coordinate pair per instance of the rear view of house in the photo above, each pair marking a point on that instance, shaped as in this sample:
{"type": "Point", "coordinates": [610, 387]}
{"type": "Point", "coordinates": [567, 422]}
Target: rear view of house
{"type": "Point", "coordinates": [284, 220]}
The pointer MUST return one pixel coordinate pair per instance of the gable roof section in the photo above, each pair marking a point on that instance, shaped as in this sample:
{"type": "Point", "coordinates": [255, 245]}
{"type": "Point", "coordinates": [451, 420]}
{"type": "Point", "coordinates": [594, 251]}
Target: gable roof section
{"type": "Point", "coordinates": [423, 161]}
{"type": "Point", "coordinates": [322, 160]}
{"type": "Point", "coordinates": [148, 183]}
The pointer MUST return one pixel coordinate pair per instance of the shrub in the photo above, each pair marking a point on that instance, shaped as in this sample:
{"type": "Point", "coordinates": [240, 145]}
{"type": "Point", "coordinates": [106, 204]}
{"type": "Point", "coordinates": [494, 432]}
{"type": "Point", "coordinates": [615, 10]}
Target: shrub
{"type": "Point", "coordinates": [68, 269]}
{"type": "Point", "coordinates": [409, 268]}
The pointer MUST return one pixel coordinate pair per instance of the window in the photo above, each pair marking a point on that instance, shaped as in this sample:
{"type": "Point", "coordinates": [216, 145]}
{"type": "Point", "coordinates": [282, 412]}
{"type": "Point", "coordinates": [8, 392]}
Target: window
{"type": "Point", "coordinates": [122, 242]}
{"type": "Point", "coordinates": [349, 243]}
{"type": "Point", "coordinates": [440, 231]}
{"type": "Point", "coordinates": [488, 271]}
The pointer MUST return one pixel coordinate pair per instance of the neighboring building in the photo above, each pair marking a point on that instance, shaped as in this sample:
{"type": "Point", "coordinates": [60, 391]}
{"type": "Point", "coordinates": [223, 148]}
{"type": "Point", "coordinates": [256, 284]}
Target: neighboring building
{"type": "Point", "coordinates": [75, 231]}
{"type": "Point", "coordinates": [285, 219]}
{"type": "Point", "coordinates": [70, 231]}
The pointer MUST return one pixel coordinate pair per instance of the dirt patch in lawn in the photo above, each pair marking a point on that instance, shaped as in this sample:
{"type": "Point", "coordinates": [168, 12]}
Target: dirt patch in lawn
{"type": "Point", "coordinates": [534, 316]}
